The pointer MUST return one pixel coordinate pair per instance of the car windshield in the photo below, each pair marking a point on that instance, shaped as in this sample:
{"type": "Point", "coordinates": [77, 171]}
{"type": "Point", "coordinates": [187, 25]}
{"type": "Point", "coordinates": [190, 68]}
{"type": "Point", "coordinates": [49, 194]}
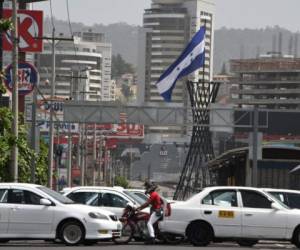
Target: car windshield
{"type": "Point", "coordinates": [56, 196]}
{"type": "Point", "coordinates": [134, 197]}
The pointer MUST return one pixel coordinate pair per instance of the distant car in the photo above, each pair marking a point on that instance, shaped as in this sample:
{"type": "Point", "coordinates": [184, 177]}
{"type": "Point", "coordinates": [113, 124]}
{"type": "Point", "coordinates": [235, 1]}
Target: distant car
{"type": "Point", "coordinates": [291, 198]}
{"type": "Point", "coordinates": [108, 198]}
{"type": "Point", "coordinates": [241, 213]}
{"type": "Point", "coordinates": [29, 211]}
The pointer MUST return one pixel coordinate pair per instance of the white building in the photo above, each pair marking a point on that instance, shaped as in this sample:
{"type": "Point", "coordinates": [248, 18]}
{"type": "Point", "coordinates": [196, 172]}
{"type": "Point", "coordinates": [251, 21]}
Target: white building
{"type": "Point", "coordinates": [169, 26]}
{"type": "Point", "coordinates": [83, 68]}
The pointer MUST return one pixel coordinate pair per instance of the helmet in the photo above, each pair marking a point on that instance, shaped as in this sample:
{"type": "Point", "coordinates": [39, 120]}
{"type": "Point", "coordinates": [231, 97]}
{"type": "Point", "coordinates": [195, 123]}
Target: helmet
{"type": "Point", "coordinates": [150, 187]}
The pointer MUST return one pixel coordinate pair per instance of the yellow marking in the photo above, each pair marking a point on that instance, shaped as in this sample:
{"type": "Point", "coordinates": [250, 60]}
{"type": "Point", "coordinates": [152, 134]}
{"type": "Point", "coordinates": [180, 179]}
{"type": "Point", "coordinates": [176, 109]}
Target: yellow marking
{"type": "Point", "coordinates": [226, 214]}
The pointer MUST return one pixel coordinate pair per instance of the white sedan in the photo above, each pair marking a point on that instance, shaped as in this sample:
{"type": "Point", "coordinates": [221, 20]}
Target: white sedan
{"type": "Point", "coordinates": [29, 211]}
{"type": "Point", "coordinates": [241, 213]}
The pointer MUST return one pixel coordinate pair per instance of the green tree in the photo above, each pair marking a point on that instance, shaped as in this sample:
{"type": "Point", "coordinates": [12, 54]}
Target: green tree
{"type": "Point", "coordinates": [120, 67]}
{"type": "Point", "coordinates": [121, 181]}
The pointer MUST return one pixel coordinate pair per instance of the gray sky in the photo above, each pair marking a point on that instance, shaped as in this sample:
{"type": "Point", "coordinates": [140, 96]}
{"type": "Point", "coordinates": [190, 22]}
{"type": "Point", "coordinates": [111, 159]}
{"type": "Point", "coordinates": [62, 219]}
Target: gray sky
{"type": "Point", "coordinates": [229, 13]}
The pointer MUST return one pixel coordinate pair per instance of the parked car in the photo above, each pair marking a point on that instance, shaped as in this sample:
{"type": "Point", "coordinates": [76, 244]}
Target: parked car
{"type": "Point", "coordinates": [291, 198]}
{"type": "Point", "coordinates": [29, 211]}
{"type": "Point", "coordinates": [241, 213]}
{"type": "Point", "coordinates": [108, 198]}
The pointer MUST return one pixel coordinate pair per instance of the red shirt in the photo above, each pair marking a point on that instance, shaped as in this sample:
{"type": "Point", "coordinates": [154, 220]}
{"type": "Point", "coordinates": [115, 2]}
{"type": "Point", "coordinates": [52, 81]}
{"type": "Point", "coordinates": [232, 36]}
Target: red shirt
{"type": "Point", "coordinates": [155, 200]}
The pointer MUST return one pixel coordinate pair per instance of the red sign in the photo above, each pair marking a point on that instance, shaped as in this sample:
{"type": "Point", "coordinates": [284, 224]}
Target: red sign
{"type": "Point", "coordinates": [30, 27]}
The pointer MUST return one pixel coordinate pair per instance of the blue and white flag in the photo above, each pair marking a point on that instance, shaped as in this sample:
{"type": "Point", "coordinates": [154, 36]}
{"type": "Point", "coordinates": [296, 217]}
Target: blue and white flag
{"type": "Point", "coordinates": [192, 58]}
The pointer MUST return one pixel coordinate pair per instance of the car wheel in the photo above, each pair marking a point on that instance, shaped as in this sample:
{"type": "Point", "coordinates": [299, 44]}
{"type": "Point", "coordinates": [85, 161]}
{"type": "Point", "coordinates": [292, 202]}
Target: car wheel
{"type": "Point", "coordinates": [246, 242]}
{"type": "Point", "coordinates": [72, 233]}
{"type": "Point", "coordinates": [296, 238]}
{"type": "Point", "coordinates": [199, 234]}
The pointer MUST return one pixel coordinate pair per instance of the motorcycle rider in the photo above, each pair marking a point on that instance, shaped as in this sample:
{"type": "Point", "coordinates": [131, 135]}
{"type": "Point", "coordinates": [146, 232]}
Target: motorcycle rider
{"type": "Point", "coordinates": [156, 211]}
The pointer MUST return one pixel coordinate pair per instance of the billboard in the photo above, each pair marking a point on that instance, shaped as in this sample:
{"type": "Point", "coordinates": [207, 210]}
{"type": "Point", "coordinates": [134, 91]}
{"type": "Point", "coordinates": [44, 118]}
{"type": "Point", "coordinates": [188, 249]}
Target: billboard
{"type": "Point", "coordinates": [30, 31]}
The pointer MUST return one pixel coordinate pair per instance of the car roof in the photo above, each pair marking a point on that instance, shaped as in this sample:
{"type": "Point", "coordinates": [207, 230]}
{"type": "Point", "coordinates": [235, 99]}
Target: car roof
{"type": "Point", "coordinates": [281, 190]}
{"type": "Point", "coordinates": [93, 187]}
{"type": "Point", "coordinates": [17, 184]}
{"type": "Point", "coordinates": [230, 187]}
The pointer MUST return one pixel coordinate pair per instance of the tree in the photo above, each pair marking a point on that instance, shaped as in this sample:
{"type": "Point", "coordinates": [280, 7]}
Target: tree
{"type": "Point", "coordinates": [7, 140]}
{"type": "Point", "coordinates": [121, 181]}
{"type": "Point", "coordinates": [120, 67]}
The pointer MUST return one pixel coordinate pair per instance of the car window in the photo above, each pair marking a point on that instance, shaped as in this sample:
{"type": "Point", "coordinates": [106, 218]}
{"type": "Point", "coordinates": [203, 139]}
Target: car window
{"type": "Point", "coordinates": [82, 197]}
{"type": "Point", "coordinates": [225, 198]}
{"type": "Point", "coordinates": [19, 196]}
{"type": "Point", "coordinates": [3, 195]}
{"type": "Point", "coordinates": [279, 196]}
{"type": "Point", "coordinates": [113, 200]}
{"type": "Point", "coordinates": [293, 200]}
{"type": "Point", "coordinates": [254, 199]}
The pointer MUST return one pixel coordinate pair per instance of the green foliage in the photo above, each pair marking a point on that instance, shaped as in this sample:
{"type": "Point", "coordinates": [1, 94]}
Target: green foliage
{"type": "Point", "coordinates": [41, 167]}
{"type": "Point", "coordinates": [121, 181]}
{"type": "Point", "coordinates": [26, 155]}
{"type": "Point", "coordinates": [5, 25]}
{"type": "Point", "coordinates": [120, 67]}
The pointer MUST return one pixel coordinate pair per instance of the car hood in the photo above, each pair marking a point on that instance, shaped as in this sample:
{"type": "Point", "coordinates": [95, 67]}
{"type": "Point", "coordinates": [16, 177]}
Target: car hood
{"type": "Point", "coordinates": [88, 209]}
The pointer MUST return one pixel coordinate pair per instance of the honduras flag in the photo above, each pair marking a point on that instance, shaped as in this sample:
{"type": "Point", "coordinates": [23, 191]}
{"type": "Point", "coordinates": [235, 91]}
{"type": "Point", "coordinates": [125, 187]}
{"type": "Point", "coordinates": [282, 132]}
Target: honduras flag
{"type": "Point", "coordinates": [191, 59]}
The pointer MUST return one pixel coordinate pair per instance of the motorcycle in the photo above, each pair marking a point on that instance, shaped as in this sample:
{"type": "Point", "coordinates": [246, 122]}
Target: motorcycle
{"type": "Point", "coordinates": [135, 227]}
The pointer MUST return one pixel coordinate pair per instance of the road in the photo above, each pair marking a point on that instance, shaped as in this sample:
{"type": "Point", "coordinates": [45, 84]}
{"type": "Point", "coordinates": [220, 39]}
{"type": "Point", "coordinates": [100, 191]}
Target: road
{"type": "Point", "coordinates": [40, 245]}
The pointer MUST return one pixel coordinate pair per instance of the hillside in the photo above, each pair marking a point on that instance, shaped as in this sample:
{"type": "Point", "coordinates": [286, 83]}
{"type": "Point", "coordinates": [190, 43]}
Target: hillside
{"type": "Point", "coordinates": [229, 43]}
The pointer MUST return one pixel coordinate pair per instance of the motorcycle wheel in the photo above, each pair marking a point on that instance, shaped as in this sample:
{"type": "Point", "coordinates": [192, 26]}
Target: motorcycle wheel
{"type": "Point", "coordinates": [126, 234]}
{"type": "Point", "coordinates": [172, 239]}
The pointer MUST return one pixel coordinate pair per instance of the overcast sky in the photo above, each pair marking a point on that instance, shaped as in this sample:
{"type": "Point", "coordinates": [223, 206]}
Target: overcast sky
{"type": "Point", "coordinates": [229, 13]}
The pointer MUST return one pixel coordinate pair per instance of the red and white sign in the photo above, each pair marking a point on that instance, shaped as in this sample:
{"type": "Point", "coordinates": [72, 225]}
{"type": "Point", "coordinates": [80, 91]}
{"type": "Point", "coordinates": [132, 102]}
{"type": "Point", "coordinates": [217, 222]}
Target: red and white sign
{"type": "Point", "coordinates": [30, 27]}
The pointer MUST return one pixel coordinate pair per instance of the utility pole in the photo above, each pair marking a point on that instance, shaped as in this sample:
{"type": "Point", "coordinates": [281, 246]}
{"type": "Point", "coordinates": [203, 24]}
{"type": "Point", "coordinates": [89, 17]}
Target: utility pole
{"type": "Point", "coordinates": [69, 167]}
{"type": "Point", "coordinates": [52, 94]}
{"type": "Point", "coordinates": [255, 146]}
{"type": "Point", "coordinates": [51, 124]}
{"type": "Point", "coordinates": [94, 155]}
{"type": "Point", "coordinates": [15, 93]}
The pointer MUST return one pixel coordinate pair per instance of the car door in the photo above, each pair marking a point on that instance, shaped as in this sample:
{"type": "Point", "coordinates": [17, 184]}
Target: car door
{"type": "Point", "coordinates": [4, 210]}
{"type": "Point", "coordinates": [220, 208]}
{"type": "Point", "coordinates": [113, 202]}
{"type": "Point", "coordinates": [28, 218]}
{"type": "Point", "coordinates": [259, 219]}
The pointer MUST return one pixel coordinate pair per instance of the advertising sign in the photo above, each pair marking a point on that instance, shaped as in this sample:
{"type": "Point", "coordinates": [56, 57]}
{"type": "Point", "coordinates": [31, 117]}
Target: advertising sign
{"type": "Point", "coordinates": [27, 78]}
{"type": "Point", "coordinates": [30, 29]}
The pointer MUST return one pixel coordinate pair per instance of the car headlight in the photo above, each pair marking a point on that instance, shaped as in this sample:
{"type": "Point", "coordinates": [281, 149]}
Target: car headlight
{"type": "Point", "coordinates": [96, 215]}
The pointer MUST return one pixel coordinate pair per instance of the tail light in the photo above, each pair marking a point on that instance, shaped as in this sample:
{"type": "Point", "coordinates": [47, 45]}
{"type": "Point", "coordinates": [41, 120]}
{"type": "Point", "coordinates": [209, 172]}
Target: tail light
{"type": "Point", "coordinates": [168, 210]}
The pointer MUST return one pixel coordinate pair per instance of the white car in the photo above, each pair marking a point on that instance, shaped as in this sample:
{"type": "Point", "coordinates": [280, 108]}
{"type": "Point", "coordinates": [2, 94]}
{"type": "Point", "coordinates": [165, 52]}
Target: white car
{"type": "Point", "coordinates": [108, 198]}
{"type": "Point", "coordinates": [291, 198]}
{"type": "Point", "coordinates": [241, 213]}
{"type": "Point", "coordinates": [29, 211]}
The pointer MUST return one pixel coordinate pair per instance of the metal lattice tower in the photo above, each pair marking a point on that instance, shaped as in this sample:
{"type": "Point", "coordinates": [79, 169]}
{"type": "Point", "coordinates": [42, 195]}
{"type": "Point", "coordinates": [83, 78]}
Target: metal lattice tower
{"type": "Point", "coordinates": [194, 175]}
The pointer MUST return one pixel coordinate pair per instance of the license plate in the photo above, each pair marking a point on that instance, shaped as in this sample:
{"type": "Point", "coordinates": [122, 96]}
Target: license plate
{"type": "Point", "coordinates": [226, 214]}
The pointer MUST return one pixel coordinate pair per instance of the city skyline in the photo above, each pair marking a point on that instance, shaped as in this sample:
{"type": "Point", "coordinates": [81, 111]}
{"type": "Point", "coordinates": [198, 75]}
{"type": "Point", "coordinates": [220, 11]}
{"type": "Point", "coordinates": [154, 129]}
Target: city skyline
{"type": "Point", "coordinates": [229, 13]}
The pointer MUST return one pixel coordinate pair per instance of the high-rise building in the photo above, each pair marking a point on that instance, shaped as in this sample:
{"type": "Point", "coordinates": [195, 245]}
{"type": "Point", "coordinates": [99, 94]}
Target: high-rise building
{"type": "Point", "coordinates": [83, 68]}
{"type": "Point", "coordinates": [169, 26]}
{"type": "Point", "coordinates": [271, 81]}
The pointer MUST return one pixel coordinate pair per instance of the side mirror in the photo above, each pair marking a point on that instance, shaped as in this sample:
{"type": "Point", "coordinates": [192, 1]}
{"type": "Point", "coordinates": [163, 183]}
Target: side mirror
{"type": "Point", "coordinates": [275, 206]}
{"type": "Point", "coordinates": [45, 202]}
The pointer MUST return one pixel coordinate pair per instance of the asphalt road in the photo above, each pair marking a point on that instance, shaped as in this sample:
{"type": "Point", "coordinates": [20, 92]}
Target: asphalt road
{"type": "Point", "coordinates": [41, 245]}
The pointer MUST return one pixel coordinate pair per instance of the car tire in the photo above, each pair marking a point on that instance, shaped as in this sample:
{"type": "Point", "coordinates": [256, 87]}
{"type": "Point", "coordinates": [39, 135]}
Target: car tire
{"type": "Point", "coordinates": [199, 234]}
{"type": "Point", "coordinates": [72, 233]}
{"type": "Point", "coordinates": [247, 242]}
{"type": "Point", "coordinates": [296, 238]}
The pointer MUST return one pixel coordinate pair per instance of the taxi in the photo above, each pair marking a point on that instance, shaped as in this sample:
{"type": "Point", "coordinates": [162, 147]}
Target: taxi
{"type": "Point", "coordinates": [244, 214]}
